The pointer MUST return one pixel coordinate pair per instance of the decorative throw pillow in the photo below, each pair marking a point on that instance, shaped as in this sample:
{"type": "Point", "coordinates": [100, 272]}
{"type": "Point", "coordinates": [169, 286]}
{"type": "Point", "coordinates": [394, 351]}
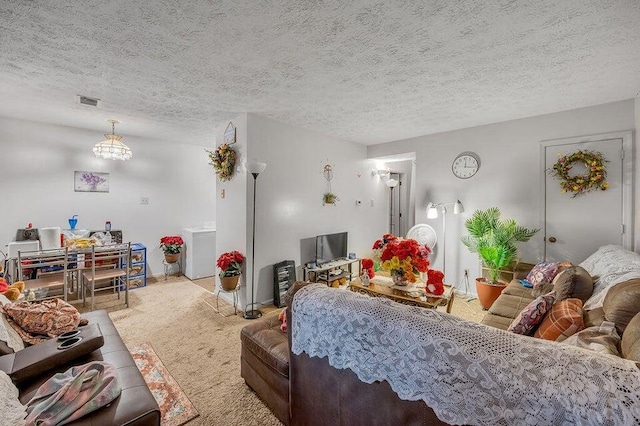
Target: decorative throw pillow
{"type": "Point", "coordinates": [10, 341]}
{"type": "Point", "coordinates": [543, 272]}
{"type": "Point", "coordinates": [532, 315]}
{"type": "Point", "coordinates": [543, 288]}
{"type": "Point", "coordinates": [603, 339]}
{"type": "Point", "coordinates": [4, 300]}
{"type": "Point", "coordinates": [563, 320]}
{"type": "Point", "coordinates": [573, 282]}
{"type": "Point", "coordinates": [282, 317]}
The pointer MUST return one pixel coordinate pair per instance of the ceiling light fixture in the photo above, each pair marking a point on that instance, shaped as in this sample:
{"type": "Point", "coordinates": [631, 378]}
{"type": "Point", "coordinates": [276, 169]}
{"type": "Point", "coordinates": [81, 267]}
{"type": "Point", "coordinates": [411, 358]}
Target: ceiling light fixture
{"type": "Point", "coordinates": [111, 148]}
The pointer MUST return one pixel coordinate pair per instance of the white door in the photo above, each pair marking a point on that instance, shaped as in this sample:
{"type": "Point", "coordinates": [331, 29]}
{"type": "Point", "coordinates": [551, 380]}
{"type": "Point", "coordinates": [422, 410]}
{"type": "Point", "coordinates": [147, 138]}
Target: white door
{"type": "Point", "coordinates": [574, 227]}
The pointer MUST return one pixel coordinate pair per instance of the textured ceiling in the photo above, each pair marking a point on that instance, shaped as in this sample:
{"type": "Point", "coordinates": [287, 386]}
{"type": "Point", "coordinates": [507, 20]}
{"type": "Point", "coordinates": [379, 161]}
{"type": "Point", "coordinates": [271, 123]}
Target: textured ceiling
{"type": "Point", "coordinates": [360, 70]}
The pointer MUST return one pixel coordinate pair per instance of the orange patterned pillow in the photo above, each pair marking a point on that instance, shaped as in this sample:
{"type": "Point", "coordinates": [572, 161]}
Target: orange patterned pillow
{"type": "Point", "coordinates": [563, 320]}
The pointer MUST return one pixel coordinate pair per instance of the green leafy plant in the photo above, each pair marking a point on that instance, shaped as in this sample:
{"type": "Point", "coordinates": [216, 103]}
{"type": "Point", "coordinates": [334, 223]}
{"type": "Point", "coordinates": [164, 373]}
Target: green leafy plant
{"type": "Point", "coordinates": [329, 198]}
{"type": "Point", "coordinates": [494, 239]}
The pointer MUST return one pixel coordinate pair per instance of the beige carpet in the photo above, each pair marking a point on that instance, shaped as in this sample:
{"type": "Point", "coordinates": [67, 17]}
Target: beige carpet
{"type": "Point", "coordinates": [200, 347]}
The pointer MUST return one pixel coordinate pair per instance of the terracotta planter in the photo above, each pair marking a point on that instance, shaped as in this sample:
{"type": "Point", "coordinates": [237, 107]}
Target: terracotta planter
{"type": "Point", "coordinates": [487, 292]}
{"type": "Point", "coordinates": [229, 283]}
{"type": "Point", "coordinates": [171, 257]}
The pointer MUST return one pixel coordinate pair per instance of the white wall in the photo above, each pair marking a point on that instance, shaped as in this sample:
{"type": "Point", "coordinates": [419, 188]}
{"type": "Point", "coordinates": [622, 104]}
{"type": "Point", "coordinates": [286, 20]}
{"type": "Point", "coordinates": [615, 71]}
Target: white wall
{"type": "Point", "coordinates": [508, 177]}
{"type": "Point", "coordinates": [289, 210]}
{"type": "Point", "coordinates": [37, 168]}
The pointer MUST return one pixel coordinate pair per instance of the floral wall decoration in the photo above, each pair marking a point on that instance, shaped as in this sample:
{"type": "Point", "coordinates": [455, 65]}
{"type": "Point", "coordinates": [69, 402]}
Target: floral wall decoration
{"type": "Point", "coordinates": [223, 159]}
{"type": "Point", "coordinates": [579, 184]}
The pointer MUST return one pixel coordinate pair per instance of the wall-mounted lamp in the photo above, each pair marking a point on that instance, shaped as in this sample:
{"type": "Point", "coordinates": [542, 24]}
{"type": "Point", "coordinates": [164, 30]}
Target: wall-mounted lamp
{"type": "Point", "coordinates": [380, 172]}
{"type": "Point", "coordinates": [432, 213]}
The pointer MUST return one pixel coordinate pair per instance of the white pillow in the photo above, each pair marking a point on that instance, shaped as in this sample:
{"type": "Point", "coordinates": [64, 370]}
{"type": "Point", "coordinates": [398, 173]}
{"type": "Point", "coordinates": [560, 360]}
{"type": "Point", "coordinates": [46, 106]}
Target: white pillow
{"type": "Point", "coordinates": [612, 265]}
{"type": "Point", "coordinates": [9, 335]}
{"type": "Point", "coordinates": [12, 412]}
{"type": "Point", "coordinates": [4, 300]}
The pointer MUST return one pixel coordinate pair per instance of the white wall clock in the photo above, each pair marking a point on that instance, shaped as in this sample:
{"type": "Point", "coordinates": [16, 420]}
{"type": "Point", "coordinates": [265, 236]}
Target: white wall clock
{"type": "Point", "coordinates": [466, 165]}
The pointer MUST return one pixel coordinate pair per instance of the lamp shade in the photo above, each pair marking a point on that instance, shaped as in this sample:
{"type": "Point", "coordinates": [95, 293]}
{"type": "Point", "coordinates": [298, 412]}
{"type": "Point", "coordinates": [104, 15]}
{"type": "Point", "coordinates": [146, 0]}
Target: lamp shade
{"type": "Point", "coordinates": [432, 211]}
{"type": "Point", "coordinates": [256, 167]}
{"type": "Point", "coordinates": [458, 207]}
{"type": "Point", "coordinates": [111, 148]}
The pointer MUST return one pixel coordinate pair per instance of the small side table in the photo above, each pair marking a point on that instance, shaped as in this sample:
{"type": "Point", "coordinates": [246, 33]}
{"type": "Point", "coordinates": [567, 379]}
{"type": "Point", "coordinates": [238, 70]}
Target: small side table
{"type": "Point", "coordinates": [168, 266]}
{"type": "Point", "coordinates": [234, 292]}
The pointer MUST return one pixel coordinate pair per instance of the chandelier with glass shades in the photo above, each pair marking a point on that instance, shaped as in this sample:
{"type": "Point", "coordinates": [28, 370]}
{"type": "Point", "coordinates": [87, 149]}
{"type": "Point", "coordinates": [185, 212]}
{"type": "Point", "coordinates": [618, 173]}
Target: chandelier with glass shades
{"type": "Point", "coordinates": [111, 148]}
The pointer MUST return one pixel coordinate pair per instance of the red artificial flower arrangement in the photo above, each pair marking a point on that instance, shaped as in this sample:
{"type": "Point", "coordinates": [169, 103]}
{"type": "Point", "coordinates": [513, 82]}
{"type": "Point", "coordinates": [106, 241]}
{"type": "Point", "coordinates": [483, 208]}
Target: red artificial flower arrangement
{"type": "Point", "coordinates": [405, 257]}
{"type": "Point", "coordinates": [230, 263]}
{"type": "Point", "coordinates": [435, 283]}
{"type": "Point", "coordinates": [171, 244]}
{"type": "Point", "coordinates": [367, 265]}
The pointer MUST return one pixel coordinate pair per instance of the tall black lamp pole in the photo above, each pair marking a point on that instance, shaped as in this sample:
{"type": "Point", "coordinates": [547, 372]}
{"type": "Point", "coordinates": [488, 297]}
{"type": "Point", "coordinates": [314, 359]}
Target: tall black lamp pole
{"type": "Point", "coordinates": [255, 168]}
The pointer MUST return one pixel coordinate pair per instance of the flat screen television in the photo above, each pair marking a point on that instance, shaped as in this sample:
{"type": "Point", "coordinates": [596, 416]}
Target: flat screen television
{"type": "Point", "coordinates": [330, 247]}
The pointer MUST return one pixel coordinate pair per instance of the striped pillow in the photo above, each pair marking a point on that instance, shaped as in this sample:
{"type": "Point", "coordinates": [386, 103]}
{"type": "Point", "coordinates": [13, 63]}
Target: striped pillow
{"type": "Point", "coordinates": [563, 320]}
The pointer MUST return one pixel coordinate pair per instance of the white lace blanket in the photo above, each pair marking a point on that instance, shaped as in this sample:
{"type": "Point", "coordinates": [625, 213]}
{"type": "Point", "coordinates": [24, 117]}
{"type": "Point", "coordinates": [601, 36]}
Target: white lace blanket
{"type": "Point", "coordinates": [468, 373]}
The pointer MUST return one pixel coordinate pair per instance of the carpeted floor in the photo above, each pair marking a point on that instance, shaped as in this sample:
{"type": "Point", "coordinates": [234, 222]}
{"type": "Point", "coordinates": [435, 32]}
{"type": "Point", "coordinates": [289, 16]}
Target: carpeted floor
{"type": "Point", "coordinates": [200, 347]}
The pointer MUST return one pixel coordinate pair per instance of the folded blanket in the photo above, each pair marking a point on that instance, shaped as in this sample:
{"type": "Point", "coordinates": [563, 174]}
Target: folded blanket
{"type": "Point", "coordinates": [77, 392]}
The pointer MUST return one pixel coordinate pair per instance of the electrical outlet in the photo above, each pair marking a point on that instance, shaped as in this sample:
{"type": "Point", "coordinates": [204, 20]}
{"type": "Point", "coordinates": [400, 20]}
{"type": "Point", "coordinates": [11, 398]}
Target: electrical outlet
{"type": "Point", "coordinates": [372, 202]}
{"type": "Point", "coordinates": [222, 193]}
{"type": "Point", "coordinates": [466, 272]}
{"type": "Point", "coordinates": [144, 200]}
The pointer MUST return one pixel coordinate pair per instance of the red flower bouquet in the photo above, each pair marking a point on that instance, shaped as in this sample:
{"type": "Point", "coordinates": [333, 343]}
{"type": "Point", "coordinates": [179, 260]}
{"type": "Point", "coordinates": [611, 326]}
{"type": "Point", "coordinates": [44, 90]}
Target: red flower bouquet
{"type": "Point", "coordinates": [367, 265]}
{"type": "Point", "coordinates": [230, 263]}
{"type": "Point", "coordinates": [405, 259]}
{"type": "Point", "coordinates": [435, 283]}
{"type": "Point", "coordinates": [171, 244]}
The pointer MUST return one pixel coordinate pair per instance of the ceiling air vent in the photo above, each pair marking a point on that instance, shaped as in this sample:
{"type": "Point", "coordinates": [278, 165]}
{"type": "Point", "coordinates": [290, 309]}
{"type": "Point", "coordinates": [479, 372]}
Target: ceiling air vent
{"type": "Point", "coordinates": [85, 100]}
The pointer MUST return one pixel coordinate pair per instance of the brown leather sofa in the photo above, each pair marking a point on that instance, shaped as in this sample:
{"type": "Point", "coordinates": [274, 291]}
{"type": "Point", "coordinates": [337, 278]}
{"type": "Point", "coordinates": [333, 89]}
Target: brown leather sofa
{"type": "Point", "coordinates": [32, 366]}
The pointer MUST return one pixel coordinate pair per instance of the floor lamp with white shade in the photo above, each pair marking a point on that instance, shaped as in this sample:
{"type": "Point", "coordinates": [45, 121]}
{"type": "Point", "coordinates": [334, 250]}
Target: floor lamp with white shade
{"type": "Point", "coordinates": [255, 168]}
{"type": "Point", "coordinates": [432, 213]}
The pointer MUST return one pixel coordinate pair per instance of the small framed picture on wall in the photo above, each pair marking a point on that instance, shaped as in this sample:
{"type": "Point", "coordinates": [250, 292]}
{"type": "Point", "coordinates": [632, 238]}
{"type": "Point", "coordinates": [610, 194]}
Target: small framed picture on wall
{"type": "Point", "coordinates": [91, 182]}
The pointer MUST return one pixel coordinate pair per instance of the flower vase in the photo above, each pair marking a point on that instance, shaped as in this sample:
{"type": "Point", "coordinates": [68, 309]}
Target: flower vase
{"type": "Point", "coordinates": [229, 283]}
{"type": "Point", "coordinates": [171, 257]}
{"type": "Point", "coordinates": [399, 278]}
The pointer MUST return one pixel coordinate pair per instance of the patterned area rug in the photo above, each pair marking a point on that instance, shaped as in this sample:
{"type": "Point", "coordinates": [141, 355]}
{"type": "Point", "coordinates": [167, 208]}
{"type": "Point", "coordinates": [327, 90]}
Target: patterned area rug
{"type": "Point", "coordinates": [175, 407]}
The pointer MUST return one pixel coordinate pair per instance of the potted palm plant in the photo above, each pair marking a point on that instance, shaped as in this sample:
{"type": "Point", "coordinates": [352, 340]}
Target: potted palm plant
{"type": "Point", "coordinates": [495, 242]}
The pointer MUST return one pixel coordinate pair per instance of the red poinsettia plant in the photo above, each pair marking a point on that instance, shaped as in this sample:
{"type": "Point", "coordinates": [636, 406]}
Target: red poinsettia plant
{"type": "Point", "coordinates": [171, 244]}
{"type": "Point", "coordinates": [435, 282]}
{"type": "Point", "coordinates": [405, 258]}
{"type": "Point", "coordinates": [367, 265]}
{"type": "Point", "coordinates": [230, 263]}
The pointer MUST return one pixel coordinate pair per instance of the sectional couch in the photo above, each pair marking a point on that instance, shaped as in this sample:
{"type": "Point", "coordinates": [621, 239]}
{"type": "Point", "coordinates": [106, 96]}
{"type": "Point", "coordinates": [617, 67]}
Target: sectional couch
{"type": "Point", "coordinates": [326, 384]}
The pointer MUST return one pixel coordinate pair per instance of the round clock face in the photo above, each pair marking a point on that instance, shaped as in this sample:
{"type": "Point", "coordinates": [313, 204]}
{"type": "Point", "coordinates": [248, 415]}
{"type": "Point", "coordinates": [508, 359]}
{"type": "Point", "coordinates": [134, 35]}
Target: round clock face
{"type": "Point", "coordinates": [466, 165]}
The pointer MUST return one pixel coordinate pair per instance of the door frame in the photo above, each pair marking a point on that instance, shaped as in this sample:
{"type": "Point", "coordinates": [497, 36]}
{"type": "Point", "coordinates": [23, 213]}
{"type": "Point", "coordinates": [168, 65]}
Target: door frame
{"type": "Point", "coordinates": [627, 180]}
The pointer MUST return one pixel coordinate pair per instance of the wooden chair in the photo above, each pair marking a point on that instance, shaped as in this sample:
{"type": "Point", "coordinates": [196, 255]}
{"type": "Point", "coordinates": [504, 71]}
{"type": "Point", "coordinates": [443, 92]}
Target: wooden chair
{"type": "Point", "coordinates": [44, 272]}
{"type": "Point", "coordinates": [110, 262]}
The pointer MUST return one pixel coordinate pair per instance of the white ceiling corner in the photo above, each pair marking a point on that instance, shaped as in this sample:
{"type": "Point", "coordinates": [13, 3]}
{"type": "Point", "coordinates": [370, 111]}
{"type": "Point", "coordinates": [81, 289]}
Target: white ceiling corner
{"type": "Point", "coordinates": [364, 71]}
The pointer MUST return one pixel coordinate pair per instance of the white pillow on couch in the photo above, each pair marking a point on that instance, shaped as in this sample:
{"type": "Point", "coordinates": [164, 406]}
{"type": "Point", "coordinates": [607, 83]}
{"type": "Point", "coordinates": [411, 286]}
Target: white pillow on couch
{"type": "Point", "coordinates": [612, 265]}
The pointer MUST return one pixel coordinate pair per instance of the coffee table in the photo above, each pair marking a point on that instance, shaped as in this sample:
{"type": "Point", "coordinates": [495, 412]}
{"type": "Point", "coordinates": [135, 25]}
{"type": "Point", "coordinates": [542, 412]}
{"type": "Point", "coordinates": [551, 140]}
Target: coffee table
{"type": "Point", "coordinates": [379, 290]}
